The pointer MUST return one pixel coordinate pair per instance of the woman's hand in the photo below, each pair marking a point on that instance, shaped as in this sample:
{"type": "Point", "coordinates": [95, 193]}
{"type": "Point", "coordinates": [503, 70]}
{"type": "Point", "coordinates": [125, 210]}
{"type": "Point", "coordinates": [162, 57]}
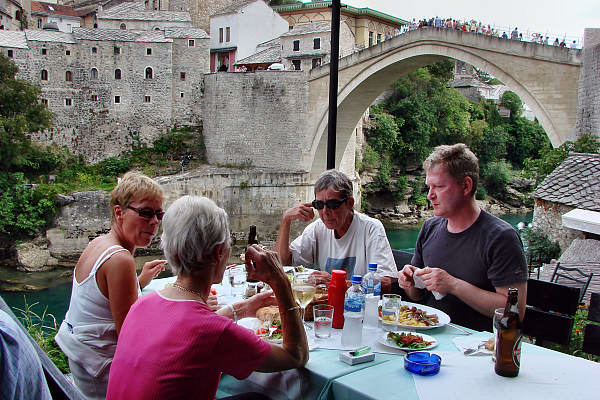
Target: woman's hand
{"type": "Point", "coordinates": [150, 270]}
{"type": "Point", "coordinates": [257, 301]}
{"type": "Point", "coordinates": [212, 302]}
{"type": "Point", "coordinates": [263, 265]}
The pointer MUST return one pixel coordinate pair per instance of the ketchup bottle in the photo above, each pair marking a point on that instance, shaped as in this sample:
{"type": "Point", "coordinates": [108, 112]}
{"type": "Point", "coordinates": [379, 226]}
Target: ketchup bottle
{"type": "Point", "coordinates": [337, 291]}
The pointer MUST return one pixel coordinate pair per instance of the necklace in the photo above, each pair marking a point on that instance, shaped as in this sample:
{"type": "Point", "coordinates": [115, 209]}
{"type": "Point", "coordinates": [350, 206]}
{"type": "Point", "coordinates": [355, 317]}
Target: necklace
{"type": "Point", "coordinates": [178, 286]}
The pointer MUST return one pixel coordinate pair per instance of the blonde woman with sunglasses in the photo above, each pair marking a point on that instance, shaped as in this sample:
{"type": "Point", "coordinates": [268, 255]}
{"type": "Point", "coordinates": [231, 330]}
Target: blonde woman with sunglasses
{"type": "Point", "coordinates": [105, 284]}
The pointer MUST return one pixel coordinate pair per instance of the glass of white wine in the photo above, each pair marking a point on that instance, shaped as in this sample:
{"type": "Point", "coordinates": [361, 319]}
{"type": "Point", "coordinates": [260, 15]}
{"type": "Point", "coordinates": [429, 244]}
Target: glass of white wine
{"type": "Point", "coordinates": [304, 286]}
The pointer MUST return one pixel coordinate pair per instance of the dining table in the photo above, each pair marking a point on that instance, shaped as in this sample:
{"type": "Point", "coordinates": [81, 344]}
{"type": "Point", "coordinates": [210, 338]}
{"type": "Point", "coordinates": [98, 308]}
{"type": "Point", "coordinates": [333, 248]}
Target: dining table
{"type": "Point", "coordinates": [544, 373]}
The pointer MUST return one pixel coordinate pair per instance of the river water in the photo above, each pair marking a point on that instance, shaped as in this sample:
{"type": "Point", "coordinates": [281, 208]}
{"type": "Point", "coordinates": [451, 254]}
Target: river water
{"type": "Point", "coordinates": [55, 298]}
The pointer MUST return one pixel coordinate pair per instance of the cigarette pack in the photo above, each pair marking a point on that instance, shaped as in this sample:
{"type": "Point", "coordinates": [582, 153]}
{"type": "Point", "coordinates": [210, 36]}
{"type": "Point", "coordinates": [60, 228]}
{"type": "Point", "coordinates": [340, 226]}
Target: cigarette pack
{"type": "Point", "coordinates": [348, 358]}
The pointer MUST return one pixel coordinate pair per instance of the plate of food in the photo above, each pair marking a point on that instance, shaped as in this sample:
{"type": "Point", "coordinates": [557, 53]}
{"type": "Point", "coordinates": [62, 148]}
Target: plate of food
{"type": "Point", "coordinates": [270, 324]}
{"type": "Point", "coordinates": [407, 341]}
{"type": "Point", "coordinates": [419, 317]}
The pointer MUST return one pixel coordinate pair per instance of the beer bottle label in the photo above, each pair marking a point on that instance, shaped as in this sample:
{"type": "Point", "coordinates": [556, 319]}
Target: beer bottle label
{"type": "Point", "coordinates": [516, 352]}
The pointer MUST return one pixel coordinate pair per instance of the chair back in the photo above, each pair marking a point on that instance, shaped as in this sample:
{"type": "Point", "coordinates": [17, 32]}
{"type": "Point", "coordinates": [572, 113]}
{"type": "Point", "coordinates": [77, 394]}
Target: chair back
{"type": "Point", "coordinates": [550, 310]}
{"type": "Point", "coordinates": [402, 258]}
{"type": "Point", "coordinates": [591, 336]}
{"type": "Point", "coordinates": [572, 276]}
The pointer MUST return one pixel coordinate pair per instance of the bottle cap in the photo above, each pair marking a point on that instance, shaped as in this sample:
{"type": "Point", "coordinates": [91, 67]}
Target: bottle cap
{"type": "Point", "coordinates": [372, 267]}
{"type": "Point", "coordinates": [356, 279]}
{"type": "Point", "coordinates": [338, 276]}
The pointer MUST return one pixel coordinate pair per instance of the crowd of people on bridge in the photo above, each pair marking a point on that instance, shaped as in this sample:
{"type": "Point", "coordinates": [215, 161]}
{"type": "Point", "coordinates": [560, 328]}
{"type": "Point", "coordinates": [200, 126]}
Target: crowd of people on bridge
{"type": "Point", "coordinates": [475, 26]}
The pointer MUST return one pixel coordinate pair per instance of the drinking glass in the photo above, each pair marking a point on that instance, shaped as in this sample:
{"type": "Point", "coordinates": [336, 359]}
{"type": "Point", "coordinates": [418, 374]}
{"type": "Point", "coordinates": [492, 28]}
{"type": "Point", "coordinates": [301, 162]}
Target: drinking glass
{"type": "Point", "coordinates": [323, 317]}
{"type": "Point", "coordinates": [390, 309]}
{"type": "Point", "coordinates": [237, 279]}
{"type": "Point", "coordinates": [303, 286]}
{"type": "Point", "coordinates": [498, 313]}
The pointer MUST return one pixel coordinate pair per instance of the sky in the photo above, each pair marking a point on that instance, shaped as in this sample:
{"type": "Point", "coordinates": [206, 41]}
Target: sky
{"type": "Point", "coordinates": [549, 17]}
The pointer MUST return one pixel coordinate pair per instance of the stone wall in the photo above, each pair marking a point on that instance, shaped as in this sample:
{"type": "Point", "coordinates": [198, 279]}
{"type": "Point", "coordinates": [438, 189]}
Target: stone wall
{"type": "Point", "coordinates": [268, 127]}
{"type": "Point", "coordinates": [201, 10]}
{"type": "Point", "coordinates": [547, 216]}
{"type": "Point", "coordinates": [588, 108]}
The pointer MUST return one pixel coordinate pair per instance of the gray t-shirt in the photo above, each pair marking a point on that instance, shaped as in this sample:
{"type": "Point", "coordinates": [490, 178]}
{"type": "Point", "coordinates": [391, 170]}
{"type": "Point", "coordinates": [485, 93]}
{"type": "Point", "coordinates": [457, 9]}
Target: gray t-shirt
{"type": "Point", "coordinates": [488, 254]}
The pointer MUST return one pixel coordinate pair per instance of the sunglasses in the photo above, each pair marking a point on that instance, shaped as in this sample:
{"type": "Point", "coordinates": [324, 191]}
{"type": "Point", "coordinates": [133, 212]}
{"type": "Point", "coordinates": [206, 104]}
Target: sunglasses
{"type": "Point", "coordinates": [148, 212]}
{"type": "Point", "coordinates": [332, 204]}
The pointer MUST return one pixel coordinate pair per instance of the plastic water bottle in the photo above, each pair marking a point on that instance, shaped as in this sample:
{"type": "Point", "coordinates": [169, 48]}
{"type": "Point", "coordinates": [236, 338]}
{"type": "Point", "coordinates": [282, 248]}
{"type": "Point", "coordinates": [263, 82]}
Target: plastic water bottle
{"type": "Point", "coordinates": [353, 314]}
{"type": "Point", "coordinates": [371, 283]}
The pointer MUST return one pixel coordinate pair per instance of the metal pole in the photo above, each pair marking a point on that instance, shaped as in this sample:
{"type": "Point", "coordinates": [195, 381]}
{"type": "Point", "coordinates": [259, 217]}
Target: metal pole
{"type": "Point", "coordinates": [333, 82]}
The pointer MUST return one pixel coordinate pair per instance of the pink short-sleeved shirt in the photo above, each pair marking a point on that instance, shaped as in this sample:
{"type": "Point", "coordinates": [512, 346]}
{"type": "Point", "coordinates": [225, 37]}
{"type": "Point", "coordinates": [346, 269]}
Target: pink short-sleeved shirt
{"type": "Point", "coordinates": [177, 349]}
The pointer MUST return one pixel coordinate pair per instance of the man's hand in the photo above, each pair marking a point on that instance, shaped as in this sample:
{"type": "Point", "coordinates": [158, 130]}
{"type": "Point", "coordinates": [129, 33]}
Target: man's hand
{"type": "Point", "coordinates": [321, 277]}
{"type": "Point", "coordinates": [303, 212]}
{"type": "Point", "coordinates": [438, 280]}
{"type": "Point", "coordinates": [405, 277]}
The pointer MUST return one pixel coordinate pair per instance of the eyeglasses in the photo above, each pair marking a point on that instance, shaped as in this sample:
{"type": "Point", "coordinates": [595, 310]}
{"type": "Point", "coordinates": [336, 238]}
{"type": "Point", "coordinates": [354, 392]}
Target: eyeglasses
{"type": "Point", "coordinates": [332, 204]}
{"type": "Point", "coordinates": [148, 212]}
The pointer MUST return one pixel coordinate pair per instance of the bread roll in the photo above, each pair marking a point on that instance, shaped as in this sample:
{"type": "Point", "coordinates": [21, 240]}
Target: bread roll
{"type": "Point", "coordinates": [270, 313]}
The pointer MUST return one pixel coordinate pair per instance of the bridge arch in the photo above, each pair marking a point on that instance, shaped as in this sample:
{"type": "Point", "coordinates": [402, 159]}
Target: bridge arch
{"type": "Point", "coordinates": [545, 77]}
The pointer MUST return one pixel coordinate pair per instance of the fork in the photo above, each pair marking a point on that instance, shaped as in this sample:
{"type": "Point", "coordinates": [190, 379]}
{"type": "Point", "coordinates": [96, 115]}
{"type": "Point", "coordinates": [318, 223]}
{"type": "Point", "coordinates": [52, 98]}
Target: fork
{"type": "Point", "coordinates": [472, 350]}
{"type": "Point", "coordinates": [466, 332]}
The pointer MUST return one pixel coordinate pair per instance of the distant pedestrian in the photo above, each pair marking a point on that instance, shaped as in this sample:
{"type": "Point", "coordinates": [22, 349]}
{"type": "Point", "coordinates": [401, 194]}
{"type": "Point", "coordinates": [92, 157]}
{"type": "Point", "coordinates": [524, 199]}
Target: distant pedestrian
{"type": "Point", "coordinates": [573, 45]}
{"type": "Point", "coordinates": [556, 42]}
{"type": "Point", "coordinates": [521, 37]}
{"type": "Point", "coordinates": [562, 43]}
{"type": "Point", "coordinates": [514, 35]}
{"type": "Point", "coordinates": [504, 35]}
{"type": "Point", "coordinates": [546, 40]}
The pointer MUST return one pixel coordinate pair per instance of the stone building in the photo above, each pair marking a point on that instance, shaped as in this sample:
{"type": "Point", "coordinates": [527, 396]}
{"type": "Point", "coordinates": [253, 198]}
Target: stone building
{"type": "Point", "coordinates": [135, 16]}
{"type": "Point", "coordinates": [267, 54]}
{"type": "Point", "coordinates": [308, 46]}
{"type": "Point", "coordinates": [368, 26]}
{"type": "Point", "coordinates": [14, 14]}
{"type": "Point", "coordinates": [65, 17]}
{"type": "Point", "coordinates": [574, 184]}
{"type": "Point", "coordinates": [108, 89]}
{"type": "Point", "coordinates": [588, 107]}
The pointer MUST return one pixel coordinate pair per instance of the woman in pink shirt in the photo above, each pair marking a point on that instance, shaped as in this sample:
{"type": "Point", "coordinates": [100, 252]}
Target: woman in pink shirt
{"type": "Point", "coordinates": [172, 345]}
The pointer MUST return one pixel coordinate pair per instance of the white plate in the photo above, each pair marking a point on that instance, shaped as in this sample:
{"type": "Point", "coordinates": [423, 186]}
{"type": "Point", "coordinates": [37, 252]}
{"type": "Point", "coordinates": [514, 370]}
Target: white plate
{"type": "Point", "coordinates": [383, 339]}
{"type": "Point", "coordinates": [443, 318]}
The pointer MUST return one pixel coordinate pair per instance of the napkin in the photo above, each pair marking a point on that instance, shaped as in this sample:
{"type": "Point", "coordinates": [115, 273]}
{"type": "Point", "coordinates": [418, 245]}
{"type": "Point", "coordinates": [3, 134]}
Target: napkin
{"type": "Point", "coordinates": [470, 342]}
{"type": "Point", "coordinates": [419, 284]}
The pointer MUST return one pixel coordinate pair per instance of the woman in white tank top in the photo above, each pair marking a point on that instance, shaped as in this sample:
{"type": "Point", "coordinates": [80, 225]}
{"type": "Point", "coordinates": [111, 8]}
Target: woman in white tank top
{"type": "Point", "coordinates": [105, 284]}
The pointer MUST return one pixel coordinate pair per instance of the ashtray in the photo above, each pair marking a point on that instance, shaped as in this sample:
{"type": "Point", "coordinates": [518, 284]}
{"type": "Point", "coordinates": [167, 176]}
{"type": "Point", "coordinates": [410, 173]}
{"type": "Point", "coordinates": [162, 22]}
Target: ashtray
{"type": "Point", "coordinates": [422, 363]}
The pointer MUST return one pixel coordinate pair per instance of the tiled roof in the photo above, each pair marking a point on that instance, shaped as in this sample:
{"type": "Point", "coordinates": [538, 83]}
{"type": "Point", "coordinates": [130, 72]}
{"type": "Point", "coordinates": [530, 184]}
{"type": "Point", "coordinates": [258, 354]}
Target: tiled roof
{"type": "Point", "coordinates": [270, 43]}
{"type": "Point", "coordinates": [54, 9]}
{"type": "Point", "coordinates": [234, 7]}
{"type": "Point", "coordinates": [49, 36]}
{"type": "Point", "coordinates": [185, 33]}
{"type": "Point", "coordinates": [269, 55]}
{"type": "Point", "coordinates": [14, 39]}
{"type": "Point", "coordinates": [468, 82]}
{"type": "Point", "coordinates": [575, 182]}
{"type": "Point", "coordinates": [120, 35]}
{"type": "Point", "coordinates": [313, 27]}
{"type": "Point", "coordinates": [136, 11]}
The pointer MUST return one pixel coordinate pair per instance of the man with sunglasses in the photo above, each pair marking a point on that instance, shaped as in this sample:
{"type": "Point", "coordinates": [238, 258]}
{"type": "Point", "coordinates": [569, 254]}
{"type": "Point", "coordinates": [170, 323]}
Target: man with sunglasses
{"type": "Point", "coordinates": [341, 238]}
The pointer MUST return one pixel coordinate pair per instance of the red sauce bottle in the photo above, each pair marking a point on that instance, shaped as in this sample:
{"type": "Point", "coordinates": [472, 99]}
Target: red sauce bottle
{"type": "Point", "coordinates": [336, 292]}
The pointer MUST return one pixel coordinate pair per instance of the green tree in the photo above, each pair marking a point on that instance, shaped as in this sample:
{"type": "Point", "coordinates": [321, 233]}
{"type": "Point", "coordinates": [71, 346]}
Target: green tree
{"type": "Point", "coordinates": [21, 114]}
{"type": "Point", "coordinates": [493, 145]}
{"type": "Point", "coordinates": [513, 102]}
{"type": "Point", "coordinates": [383, 137]}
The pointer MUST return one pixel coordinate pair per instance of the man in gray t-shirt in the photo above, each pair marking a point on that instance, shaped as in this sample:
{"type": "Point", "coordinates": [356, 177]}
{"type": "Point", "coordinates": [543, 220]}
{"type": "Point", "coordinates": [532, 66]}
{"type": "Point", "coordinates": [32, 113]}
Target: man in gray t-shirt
{"type": "Point", "coordinates": [471, 258]}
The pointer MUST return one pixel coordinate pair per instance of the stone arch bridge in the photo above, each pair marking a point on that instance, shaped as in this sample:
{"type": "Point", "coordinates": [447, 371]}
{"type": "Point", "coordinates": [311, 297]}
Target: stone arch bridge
{"type": "Point", "coordinates": [545, 77]}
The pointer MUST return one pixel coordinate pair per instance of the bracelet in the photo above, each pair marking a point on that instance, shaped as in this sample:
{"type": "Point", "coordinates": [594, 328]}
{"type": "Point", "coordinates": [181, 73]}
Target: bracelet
{"type": "Point", "coordinates": [294, 308]}
{"type": "Point", "coordinates": [235, 316]}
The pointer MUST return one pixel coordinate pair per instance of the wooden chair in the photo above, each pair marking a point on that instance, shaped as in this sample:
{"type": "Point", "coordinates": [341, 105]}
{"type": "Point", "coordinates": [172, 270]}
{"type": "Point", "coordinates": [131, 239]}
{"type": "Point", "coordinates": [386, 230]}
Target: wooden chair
{"type": "Point", "coordinates": [573, 277]}
{"type": "Point", "coordinates": [550, 310]}
{"type": "Point", "coordinates": [591, 335]}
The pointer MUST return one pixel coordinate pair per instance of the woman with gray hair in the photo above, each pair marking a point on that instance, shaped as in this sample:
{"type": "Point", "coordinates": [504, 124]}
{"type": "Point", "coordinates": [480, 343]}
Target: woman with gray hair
{"type": "Point", "coordinates": [172, 345]}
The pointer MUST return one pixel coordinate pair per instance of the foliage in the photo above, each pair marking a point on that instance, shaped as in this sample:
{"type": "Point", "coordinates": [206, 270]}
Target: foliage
{"type": "Point", "coordinates": [43, 329]}
{"type": "Point", "coordinates": [383, 175]}
{"type": "Point", "coordinates": [513, 102]}
{"type": "Point", "coordinates": [383, 136]}
{"type": "Point", "coordinates": [576, 343]}
{"type": "Point", "coordinates": [370, 158]}
{"type": "Point", "coordinates": [487, 78]}
{"type": "Point", "coordinates": [402, 185]}
{"type": "Point", "coordinates": [493, 145]}
{"type": "Point", "coordinates": [550, 158]}
{"type": "Point", "coordinates": [527, 138]}
{"type": "Point", "coordinates": [481, 193]}
{"type": "Point", "coordinates": [540, 249]}
{"type": "Point", "coordinates": [418, 196]}
{"type": "Point", "coordinates": [496, 176]}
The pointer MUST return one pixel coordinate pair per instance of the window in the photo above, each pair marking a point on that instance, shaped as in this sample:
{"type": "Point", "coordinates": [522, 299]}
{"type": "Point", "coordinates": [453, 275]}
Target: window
{"type": "Point", "coordinates": [39, 23]}
{"type": "Point", "coordinates": [148, 51]}
{"type": "Point", "coordinates": [191, 43]}
{"type": "Point", "coordinates": [94, 97]}
{"type": "Point", "coordinates": [117, 73]}
{"type": "Point", "coordinates": [378, 38]}
{"type": "Point", "coordinates": [227, 34]}
{"type": "Point", "coordinates": [291, 27]}
{"type": "Point", "coordinates": [182, 76]}
{"type": "Point", "coordinates": [220, 35]}
{"type": "Point", "coordinates": [146, 99]}
{"type": "Point", "coordinates": [67, 52]}
{"type": "Point", "coordinates": [94, 74]}
{"type": "Point", "coordinates": [117, 50]}
{"type": "Point", "coordinates": [316, 62]}
{"type": "Point", "coordinates": [122, 27]}
{"type": "Point", "coordinates": [296, 64]}
{"type": "Point", "coordinates": [316, 43]}
{"type": "Point", "coordinates": [68, 76]}
{"type": "Point", "coordinates": [117, 99]}
{"type": "Point", "coordinates": [94, 50]}
{"type": "Point", "coordinates": [10, 54]}
{"type": "Point", "coordinates": [69, 28]}
{"type": "Point", "coordinates": [45, 101]}
{"type": "Point", "coordinates": [370, 38]}
{"type": "Point", "coordinates": [296, 45]}
{"type": "Point", "coordinates": [44, 75]}
{"type": "Point", "coordinates": [149, 73]}
{"type": "Point", "coordinates": [44, 52]}
{"type": "Point", "coordinates": [68, 102]}
{"type": "Point", "coordinates": [95, 25]}
{"type": "Point", "coordinates": [181, 94]}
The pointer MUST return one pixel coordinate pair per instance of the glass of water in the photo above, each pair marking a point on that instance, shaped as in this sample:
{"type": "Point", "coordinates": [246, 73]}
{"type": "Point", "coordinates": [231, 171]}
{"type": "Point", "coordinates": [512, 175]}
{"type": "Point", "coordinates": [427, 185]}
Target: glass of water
{"type": "Point", "coordinates": [390, 309]}
{"type": "Point", "coordinates": [323, 317]}
{"type": "Point", "coordinates": [237, 279]}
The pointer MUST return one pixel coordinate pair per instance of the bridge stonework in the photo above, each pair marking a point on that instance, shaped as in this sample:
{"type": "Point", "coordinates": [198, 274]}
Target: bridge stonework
{"type": "Point", "coordinates": [545, 77]}
{"type": "Point", "coordinates": [588, 109]}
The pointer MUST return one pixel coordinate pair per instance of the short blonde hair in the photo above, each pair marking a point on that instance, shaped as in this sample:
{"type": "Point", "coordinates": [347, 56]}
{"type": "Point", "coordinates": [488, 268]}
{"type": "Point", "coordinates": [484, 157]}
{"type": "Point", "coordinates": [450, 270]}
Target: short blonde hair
{"type": "Point", "coordinates": [458, 160]}
{"type": "Point", "coordinates": [134, 187]}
